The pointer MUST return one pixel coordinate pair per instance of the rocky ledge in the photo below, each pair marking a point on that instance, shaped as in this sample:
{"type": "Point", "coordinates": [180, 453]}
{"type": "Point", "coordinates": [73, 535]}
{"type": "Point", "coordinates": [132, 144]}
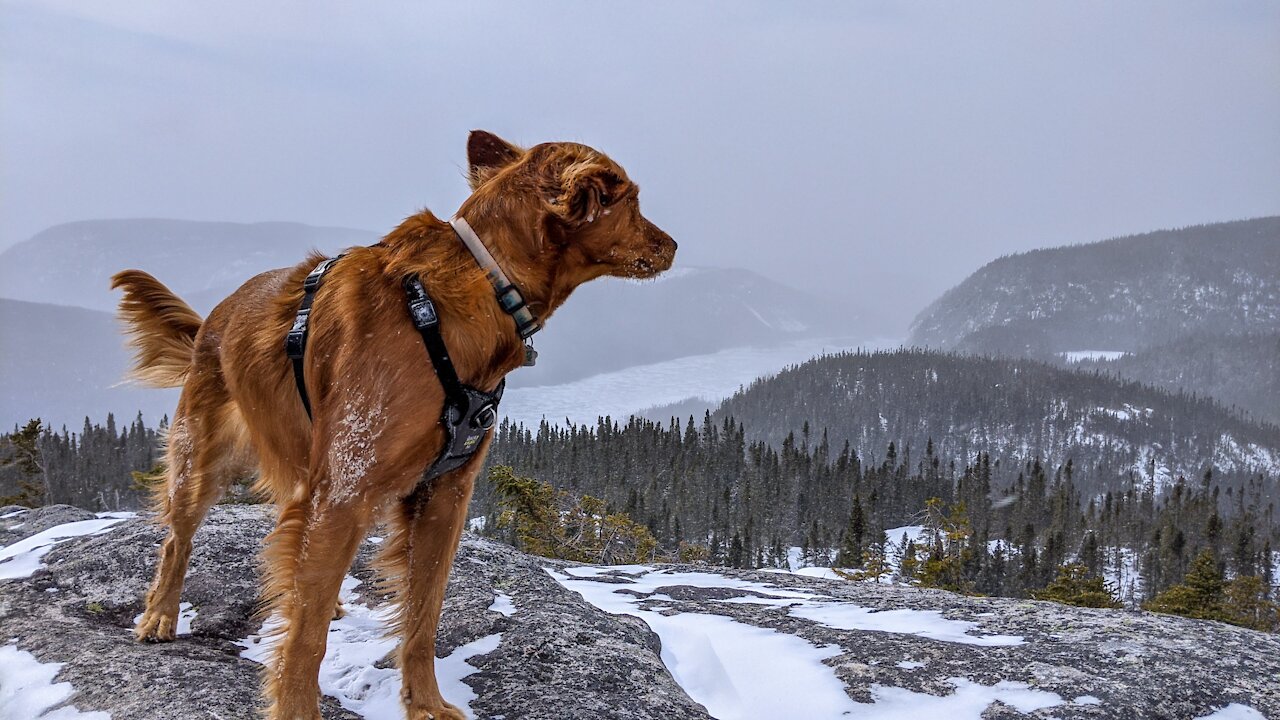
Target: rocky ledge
{"type": "Point", "coordinates": [524, 637]}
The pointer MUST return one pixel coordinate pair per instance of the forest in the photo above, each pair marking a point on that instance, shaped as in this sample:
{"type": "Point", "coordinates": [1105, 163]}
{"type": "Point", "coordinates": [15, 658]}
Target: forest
{"type": "Point", "coordinates": [992, 523]}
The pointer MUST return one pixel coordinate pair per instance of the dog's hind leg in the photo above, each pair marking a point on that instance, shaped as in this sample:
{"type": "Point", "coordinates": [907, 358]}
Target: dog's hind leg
{"type": "Point", "coordinates": [310, 551]}
{"type": "Point", "coordinates": [426, 528]}
{"type": "Point", "coordinates": [206, 450]}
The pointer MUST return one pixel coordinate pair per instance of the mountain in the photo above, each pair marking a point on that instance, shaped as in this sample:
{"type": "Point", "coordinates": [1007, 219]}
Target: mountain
{"type": "Point", "coordinates": [610, 324]}
{"type": "Point", "coordinates": [532, 638]}
{"type": "Point", "coordinates": [72, 264]}
{"type": "Point", "coordinates": [1240, 371]}
{"type": "Point", "coordinates": [1017, 408]}
{"type": "Point", "coordinates": [1123, 294]}
{"type": "Point", "coordinates": [62, 364]}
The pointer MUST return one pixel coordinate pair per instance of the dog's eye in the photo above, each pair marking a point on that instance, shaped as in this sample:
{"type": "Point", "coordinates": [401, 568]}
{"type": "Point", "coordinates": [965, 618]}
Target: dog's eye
{"type": "Point", "coordinates": [604, 198]}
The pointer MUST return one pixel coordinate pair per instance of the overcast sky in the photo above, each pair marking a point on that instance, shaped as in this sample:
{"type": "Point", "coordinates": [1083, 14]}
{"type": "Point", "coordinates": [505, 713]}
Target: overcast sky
{"type": "Point", "coordinates": [879, 150]}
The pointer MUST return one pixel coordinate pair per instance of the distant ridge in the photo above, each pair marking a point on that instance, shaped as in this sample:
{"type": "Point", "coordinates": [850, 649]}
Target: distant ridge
{"type": "Point", "coordinates": [70, 264]}
{"type": "Point", "coordinates": [1120, 294]}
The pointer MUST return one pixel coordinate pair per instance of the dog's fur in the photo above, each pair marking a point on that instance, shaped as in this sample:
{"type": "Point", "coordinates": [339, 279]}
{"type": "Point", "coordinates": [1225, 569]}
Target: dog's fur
{"type": "Point", "coordinates": [554, 216]}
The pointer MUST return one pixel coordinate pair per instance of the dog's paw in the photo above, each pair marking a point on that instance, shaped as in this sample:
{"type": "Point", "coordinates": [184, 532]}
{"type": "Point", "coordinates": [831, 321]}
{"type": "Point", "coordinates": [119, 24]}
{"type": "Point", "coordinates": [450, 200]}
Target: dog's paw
{"type": "Point", "coordinates": [156, 626]}
{"type": "Point", "coordinates": [338, 611]}
{"type": "Point", "coordinates": [445, 712]}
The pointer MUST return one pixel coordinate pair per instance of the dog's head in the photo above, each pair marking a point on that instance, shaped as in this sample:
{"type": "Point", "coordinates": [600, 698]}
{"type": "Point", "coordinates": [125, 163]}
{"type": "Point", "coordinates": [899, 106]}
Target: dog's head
{"type": "Point", "coordinates": [578, 201]}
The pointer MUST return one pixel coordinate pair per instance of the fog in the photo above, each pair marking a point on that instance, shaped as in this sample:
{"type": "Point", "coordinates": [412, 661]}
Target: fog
{"type": "Point", "coordinates": [872, 151]}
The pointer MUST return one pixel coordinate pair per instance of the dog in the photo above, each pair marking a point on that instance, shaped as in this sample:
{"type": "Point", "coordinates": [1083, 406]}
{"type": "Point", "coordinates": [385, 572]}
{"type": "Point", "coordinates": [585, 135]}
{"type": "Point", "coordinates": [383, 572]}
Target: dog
{"type": "Point", "coordinates": [554, 216]}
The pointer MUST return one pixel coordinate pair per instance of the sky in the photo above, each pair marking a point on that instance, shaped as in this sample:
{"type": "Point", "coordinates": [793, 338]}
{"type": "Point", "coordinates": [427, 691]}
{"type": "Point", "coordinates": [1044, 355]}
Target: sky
{"type": "Point", "coordinates": [873, 152]}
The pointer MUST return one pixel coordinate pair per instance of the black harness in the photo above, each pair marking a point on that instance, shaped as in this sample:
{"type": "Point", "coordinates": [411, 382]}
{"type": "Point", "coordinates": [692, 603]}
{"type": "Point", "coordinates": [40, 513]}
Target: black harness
{"type": "Point", "coordinates": [469, 412]}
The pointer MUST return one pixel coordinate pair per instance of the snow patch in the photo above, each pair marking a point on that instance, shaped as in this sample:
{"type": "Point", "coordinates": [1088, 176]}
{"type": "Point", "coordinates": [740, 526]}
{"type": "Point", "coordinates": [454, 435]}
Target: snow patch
{"type": "Point", "coordinates": [1075, 356]}
{"type": "Point", "coordinates": [737, 670]}
{"type": "Point", "coordinates": [28, 690]}
{"type": "Point", "coordinates": [1235, 711]}
{"type": "Point", "coordinates": [967, 703]}
{"type": "Point", "coordinates": [502, 604]}
{"type": "Point", "coordinates": [356, 642]}
{"type": "Point", "coordinates": [22, 559]}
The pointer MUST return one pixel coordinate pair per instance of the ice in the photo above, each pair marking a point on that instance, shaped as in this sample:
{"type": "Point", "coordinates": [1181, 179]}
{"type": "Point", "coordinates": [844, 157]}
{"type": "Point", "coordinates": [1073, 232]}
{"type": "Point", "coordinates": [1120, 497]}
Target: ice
{"type": "Point", "coordinates": [618, 394]}
{"type": "Point", "coordinates": [22, 559]}
{"type": "Point", "coordinates": [27, 689]}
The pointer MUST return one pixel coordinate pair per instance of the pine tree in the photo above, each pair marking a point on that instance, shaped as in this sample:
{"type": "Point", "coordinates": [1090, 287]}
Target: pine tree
{"type": "Point", "coordinates": [850, 555]}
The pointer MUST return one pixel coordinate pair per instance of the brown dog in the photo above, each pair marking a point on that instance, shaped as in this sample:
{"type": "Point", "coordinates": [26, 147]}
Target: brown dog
{"type": "Point", "coordinates": [554, 217]}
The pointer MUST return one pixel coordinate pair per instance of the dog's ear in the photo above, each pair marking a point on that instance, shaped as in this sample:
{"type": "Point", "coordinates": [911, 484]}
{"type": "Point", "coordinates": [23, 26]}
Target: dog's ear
{"type": "Point", "coordinates": [585, 189]}
{"type": "Point", "coordinates": [488, 154]}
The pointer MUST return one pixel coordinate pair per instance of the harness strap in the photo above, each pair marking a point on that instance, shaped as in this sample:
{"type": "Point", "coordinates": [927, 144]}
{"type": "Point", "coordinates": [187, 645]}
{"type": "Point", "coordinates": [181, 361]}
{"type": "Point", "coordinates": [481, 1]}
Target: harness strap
{"type": "Point", "coordinates": [468, 412]}
{"type": "Point", "coordinates": [295, 343]}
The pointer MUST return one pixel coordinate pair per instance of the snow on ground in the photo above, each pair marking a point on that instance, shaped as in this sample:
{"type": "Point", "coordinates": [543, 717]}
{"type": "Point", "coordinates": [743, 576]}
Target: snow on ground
{"type": "Point", "coordinates": [1075, 356]}
{"type": "Point", "coordinates": [502, 604]}
{"type": "Point", "coordinates": [619, 394]}
{"type": "Point", "coordinates": [356, 642]}
{"type": "Point", "coordinates": [22, 559]}
{"type": "Point", "coordinates": [738, 670]}
{"type": "Point", "coordinates": [1235, 711]}
{"type": "Point", "coordinates": [186, 614]}
{"type": "Point", "coordinates": [27, 689]}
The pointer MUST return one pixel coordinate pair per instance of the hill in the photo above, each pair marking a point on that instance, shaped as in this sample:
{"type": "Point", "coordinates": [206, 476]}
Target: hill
{"type": "Point", "coordinates": [1240, 371]}
{"type": "Point", "coordinates": [1123, 294]}
{"type": "Point", "coordinates": [71, 264]}
{"type": "Point", "coordinates": [63, 364]}
{"type": "Point", "coordinates": [1009, 407]}
{"type": "Point", "coordinates": [533, 638]}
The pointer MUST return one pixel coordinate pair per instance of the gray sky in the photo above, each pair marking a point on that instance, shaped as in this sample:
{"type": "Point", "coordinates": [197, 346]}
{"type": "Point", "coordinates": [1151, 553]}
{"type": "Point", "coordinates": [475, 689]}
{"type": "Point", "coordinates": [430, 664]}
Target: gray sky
{"type": "Point", "coordinates": [881, 150]}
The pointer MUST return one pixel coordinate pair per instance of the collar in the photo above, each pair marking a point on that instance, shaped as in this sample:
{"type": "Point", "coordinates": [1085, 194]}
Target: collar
{"type": "Point", "coordinates": [509, 297]}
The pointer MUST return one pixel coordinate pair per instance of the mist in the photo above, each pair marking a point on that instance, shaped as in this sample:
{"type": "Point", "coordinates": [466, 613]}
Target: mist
{"type": "Point", "coordinates": [874, 152]}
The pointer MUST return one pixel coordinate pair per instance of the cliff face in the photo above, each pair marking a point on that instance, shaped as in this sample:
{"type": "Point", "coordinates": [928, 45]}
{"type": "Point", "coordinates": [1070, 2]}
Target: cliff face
{"type": "Point", "coordinates": [524, 637]}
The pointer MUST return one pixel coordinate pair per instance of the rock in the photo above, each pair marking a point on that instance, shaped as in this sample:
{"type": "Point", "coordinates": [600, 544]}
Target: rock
{"type": "Point", "coordinates": [560, 657]}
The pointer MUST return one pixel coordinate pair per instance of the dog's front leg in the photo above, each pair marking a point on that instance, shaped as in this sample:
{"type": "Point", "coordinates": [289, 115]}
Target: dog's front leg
{"type": "Point", "coordinates": [429, 523]}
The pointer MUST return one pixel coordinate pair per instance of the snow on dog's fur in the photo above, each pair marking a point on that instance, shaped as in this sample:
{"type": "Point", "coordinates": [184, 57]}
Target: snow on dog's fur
{"type": "Point", "coordinates": [554, 216]}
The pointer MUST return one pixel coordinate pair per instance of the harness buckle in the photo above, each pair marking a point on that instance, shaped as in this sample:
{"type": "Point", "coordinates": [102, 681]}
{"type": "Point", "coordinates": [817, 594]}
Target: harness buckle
{"type": "Point", "coordinates": [295, 342]}
{"type": "Point", "coordinates": [485, 417]}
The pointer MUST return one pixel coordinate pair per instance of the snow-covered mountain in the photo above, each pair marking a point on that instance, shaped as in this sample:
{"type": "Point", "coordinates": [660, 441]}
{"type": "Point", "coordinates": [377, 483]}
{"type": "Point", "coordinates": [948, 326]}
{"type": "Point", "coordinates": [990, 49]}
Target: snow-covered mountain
{"type": "Point", "coordinates": [1013, 408]}
{"type": "Point", "coordinates": [1121, 294]}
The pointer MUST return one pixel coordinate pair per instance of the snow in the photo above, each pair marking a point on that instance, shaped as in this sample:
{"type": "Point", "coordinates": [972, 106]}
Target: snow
{"type": "Point", "coordinates": [1075, 356]}
{"type": "Point", "coordinates": [1086, 700]}
{"type": "Point", "coordinates": [735, 670]}
{"type": "Point", "coordinates": [15, 513]}
{"type": "Point", "coordinates": [710, 377]}
{"type": "Point", "coordinates": [967, 703]}
{"type": "Point", "coordinates": [502, 604]}
{"type": "Point", "coordinates": [22, 559]}
{"type": "Point", "coordinates": [28, 690]}
{"type": "Point", "coordinates": [477, 524]}
{"type": "Point", "coordinates": [925, 623]}
{"type": "Point", "coordinates": [910, 664]}
{"type": "Point", "coordinates": [186, 614]}
{"type": "Point", "coordinates": [738, 670]}
{"type": "Point", "coordinates": [356, 642]}
{"type": "Point", "coordinates": [1235, 711]}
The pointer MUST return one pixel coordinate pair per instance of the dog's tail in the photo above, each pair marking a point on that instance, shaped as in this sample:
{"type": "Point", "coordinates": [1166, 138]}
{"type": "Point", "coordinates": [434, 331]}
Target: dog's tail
{"type": "Point", "coordinates": [162, 329]}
